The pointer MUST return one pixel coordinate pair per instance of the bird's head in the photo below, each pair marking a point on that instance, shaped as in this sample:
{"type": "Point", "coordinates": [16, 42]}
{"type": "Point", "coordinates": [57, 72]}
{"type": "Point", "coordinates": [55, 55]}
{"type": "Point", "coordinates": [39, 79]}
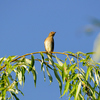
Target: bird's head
{"type": "Point", "coordinates": [52, 33]}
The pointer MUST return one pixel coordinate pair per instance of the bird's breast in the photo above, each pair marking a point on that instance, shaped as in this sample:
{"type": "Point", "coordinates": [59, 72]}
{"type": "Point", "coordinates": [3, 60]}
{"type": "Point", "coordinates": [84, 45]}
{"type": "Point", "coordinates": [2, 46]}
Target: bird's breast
{"type": "Point", "coordinates": [48, 46]}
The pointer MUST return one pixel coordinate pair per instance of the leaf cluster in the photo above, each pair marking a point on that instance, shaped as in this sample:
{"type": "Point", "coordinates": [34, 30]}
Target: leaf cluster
{"type": "Point", "coordinates": [78, 75]}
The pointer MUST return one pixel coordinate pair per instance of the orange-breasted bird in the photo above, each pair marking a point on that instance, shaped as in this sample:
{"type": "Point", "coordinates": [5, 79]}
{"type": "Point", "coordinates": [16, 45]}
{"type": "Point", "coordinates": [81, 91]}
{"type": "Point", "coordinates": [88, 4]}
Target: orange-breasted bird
{"type": "Point", "coordinates": [49, 44]}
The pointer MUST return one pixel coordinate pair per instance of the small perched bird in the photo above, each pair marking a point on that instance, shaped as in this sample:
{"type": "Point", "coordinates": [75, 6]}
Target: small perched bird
{"type": "Point", "coordinates": [49, 44]}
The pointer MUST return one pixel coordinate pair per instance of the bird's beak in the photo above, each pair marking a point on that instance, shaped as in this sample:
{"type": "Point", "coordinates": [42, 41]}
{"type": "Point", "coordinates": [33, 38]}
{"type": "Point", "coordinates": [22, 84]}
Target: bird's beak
{"type": "Point", "coordinates": [54, 33]}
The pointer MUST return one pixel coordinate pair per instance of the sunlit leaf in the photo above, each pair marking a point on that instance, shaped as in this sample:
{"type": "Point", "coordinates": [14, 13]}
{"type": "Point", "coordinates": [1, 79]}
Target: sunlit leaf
{"type": "Point", "coordinates": [72, 90]}
{"type": "Point", "coordinates": [3, 94]}
{"type": "Point", "coordinates": [96, 78]}
{"type": "Point", "coordinates": [59, 62]}
{"type": "Point", "coordinates": [49, 75]}
{"type": "Point", "coordinates": [42, 56]}
{"type": "Point", "coordinates": [44, 74]}
{"type": "Point", "coordinates": [13, 90]}
{"type": "Point", "coordinates": [78, 90]}
{"type": "Point", "coordinates": [88, 71]}
{"type": "Point", "coordinates": [28, 61]}
{"type": "Point", "coordinates": [58, 66]}
{"type": "Point", "coordinates": [48, 66]}
{"type": "Point", "coordinates": [34, 75]}
{"type": "Point", "coordinates": [12, 68]}
{"type": "Point", "coordinates": [64, 71]}
{"type": "Point", "coordinates": [32, 60]}
{"type": "Point", "coordinates": [59, 80]}
{"type": "Point", "coordinates": [15, 95]}
{"type": "Point", "coordinates": [21, 92]}
{"type": "Point", "coordinates": [70, 52]}
{"type": "Point", "coordinates": [41, 66]}
{"type": "Point", "coordinates": [90, 53]}
{"type": "Point", "coordinates": [71, 67]}
{"type": "Point", "coordinates": [20, 77]}
{"type": "Point", "coordinates": [25, 67]}
{"type": "Point", "coordinates": [75, 76]}
{"type": "Point", "coordinates": [12, 85]}
{"type": "Point", "coordinates": [79, 52]}
{"type": "Point", "coordinates": [23, 74]}
{"type": "Point", "coordinates": [66, 88]}
{"type": "Point", "coordinates": [1, 60]}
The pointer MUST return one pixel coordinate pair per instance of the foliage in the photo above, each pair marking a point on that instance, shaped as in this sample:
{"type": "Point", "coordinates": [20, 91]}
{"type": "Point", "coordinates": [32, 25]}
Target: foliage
{"type": "Point", "coordinates": [78, 73]}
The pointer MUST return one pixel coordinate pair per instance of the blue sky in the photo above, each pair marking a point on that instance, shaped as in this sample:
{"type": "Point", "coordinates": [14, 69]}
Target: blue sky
{"type": "Point", "coordinates": [24, 24]}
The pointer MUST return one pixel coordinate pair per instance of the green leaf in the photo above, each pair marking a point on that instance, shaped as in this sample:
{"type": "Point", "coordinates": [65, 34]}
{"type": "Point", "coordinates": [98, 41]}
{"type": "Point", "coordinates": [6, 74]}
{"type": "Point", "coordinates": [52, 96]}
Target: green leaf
{"type": "Point", "coordinates": [20, 77]}
{"type": "Point", "coordinates": [88, 71]}
{"type": "Point", "coordinates": [64, 71]}
{"type": "Point", "coordinates": [87, 57]}
{"type": "Point", "coordinates": [58, 66]}
{"type": "Point", "coordinates": [23, 74]}
{"type": "Point", "coordinates": [49, 75]}
{"type": "Point", "coordinates": [75, 76]}
{"type": "Point", "coordinates": [7, 80]}
{"type": "Point", "coordinates": [46, 59]}
{"type": "Point", "coordinates": [1, 60]}
{"type": "Point", "coordinates": [15, 96]}
{"type": "Point", "coordinates": [34, 75]}
{"type": "Point", "coordinates": [70, 52]}
{"type": "Point", "coordinates": [11, 68]}
{"type": "Point", "coordinates": [96, 78]}
{"type": "Point", "coordinates": [66, 88]}
{"type": "Point", "coordinates": [32, 61]}
{"type": "Point", "coordinates": [59, 62]}
{"type": "Point", "coordinates": [59, 80]}
{"type": "Point", "coordinates": [44, 74]}
{"type": "Point", "coordinates": [42, 68]}
{"type": "Point", "coordinates": [48, 66]}
{"type": "Point", "coordinates": [12, 85]}
{"type": "Point", "coordinates": [90, 53]}
{"type": "Point", "coordinates": [71, 67]}
{"type": "Point", "coordinates": [79, 52]}
{"type": "Point", "coordinates": [3, 94]}
{"type": "Point", "coordinates": [26, 68]}
{"type": "Point", "coordinates": [2, 88]}
{"type": "Point", "coordinates": [20, 92]}
{"type": "Point", "coordinates": [42, 56]}
{"type": "Point", "coordinates": [77, 90]}
{"type": "Point", "coordinates": [72, 90]}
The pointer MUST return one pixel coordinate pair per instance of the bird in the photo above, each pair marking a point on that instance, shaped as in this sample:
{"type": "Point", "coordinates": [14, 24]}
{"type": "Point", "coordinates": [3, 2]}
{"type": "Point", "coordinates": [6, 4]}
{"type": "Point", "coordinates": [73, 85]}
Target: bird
{"type": "Point", "coordinates": [49, 45]}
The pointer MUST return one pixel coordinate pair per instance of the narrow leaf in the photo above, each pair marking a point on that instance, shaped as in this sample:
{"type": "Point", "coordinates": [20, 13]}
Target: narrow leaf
{"type": "Point", "coordinates": [78, 90]}
{"type": "Point", "coordinates": [71, 67]}
{"type": "Point", "coordinates": [32, 60]}
{"type": "Point", "coordinates": [20, 77]}
{"type": "Point", "coordinates": [58, 79]}
{"type": "Point", "coordinates": [66, 88]}
{"type": "Point", "coordinates": [90, 53]}
{"type": "Point", "coordinates": [15, 96]}
{"type": "Point", "coordinates": [59, 62]}
{"type": "Point", "coordinates": [44, 74]}
{"type": "Point", "coordinates": [34, 75]}
{"type": "Point", "coordinates": [88, 71]}
{"type": "Point", "coordinates": [72, 90]}
{"type": "Point", "coordinates": [49, 75]}
{"type": "Point", "coordinates": [70, 52]}
{"type": "Point", "coordinates": [42, 56]}
{"type": "Point", "coordinates": [42, 68]}
{"type": "Point", "coordinates": [64, 71]}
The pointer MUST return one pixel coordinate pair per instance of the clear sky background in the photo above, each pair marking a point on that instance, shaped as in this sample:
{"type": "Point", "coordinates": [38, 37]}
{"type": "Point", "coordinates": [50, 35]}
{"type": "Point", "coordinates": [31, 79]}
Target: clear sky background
{"type": "Point", "coordinates": [24, 25]}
